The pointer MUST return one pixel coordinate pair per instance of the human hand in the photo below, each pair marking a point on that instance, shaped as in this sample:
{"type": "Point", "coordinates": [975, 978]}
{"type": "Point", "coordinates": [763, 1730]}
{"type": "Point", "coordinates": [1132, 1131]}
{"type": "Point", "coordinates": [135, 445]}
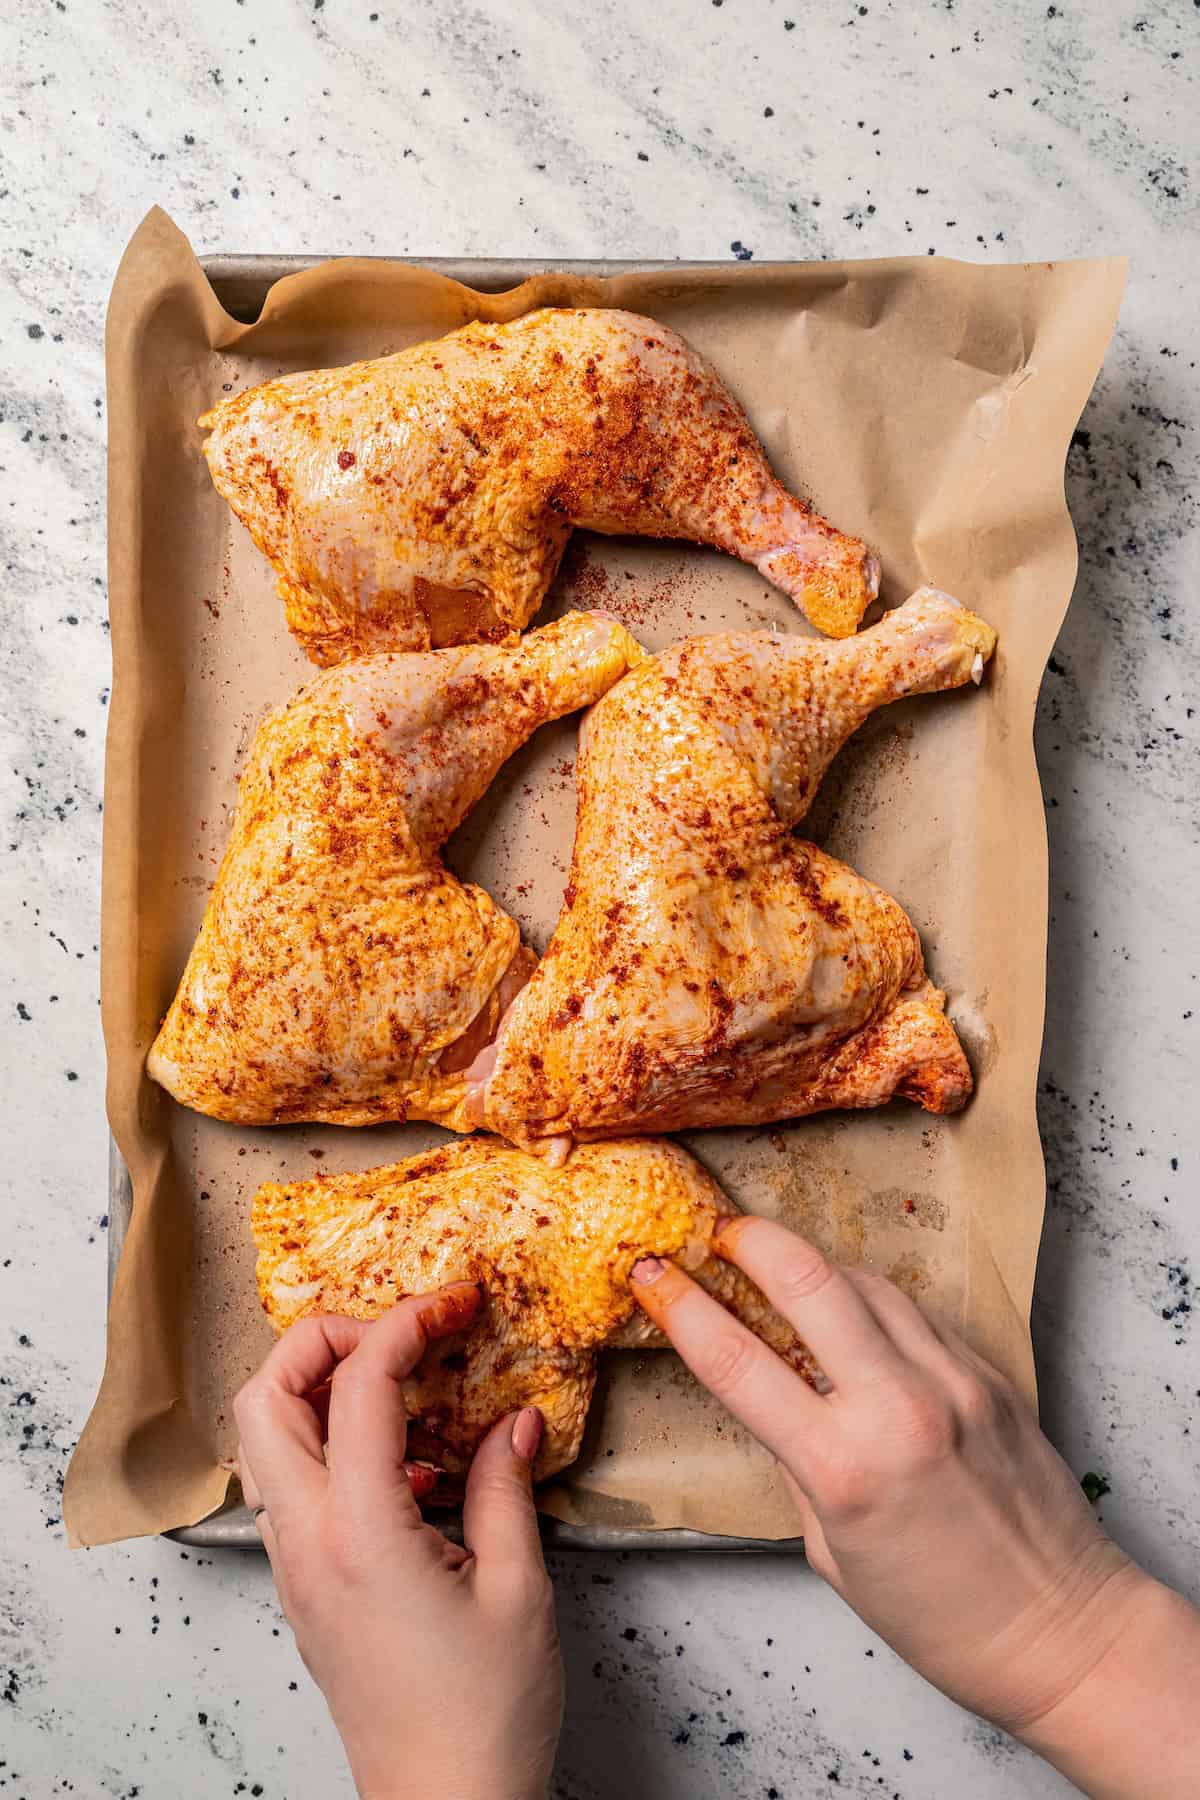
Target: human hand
{"type": "Point", "coordinates": [930, 1500]}
{"type": "Point", "coordinates": [440, 1665]}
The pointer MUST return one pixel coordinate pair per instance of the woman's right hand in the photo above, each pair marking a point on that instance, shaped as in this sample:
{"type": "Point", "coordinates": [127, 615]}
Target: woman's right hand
{"type": "Point", "coordinates": [932, 1503]}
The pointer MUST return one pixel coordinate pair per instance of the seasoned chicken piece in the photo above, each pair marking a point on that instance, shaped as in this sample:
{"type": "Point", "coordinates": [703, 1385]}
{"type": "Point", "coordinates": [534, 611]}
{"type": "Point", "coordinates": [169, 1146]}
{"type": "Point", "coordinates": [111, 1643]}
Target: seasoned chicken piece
{"type": "Point", "coordinates": [551, 1249]}
{"type": "Point", "coordinates": [342, 973]}
{"type": "Point", "coordinates": [426, 498]}
{"type": "Point", "coordinates": [710, 968]}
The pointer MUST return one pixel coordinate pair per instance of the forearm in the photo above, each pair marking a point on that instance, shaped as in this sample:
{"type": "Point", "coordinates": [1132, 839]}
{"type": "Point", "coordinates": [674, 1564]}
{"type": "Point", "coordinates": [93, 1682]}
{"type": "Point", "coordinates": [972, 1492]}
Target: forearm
{"type": "Point", "coordinates": [1131, 1729]}
{"type": "Point", "coordinates": [425, 1777]}
{"type": "Point", "coordinates": [468, 1790]}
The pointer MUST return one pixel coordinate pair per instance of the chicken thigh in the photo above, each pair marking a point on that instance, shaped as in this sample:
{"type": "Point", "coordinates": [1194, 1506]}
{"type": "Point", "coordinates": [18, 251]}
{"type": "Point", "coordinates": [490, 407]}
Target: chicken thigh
{"type": "Point", "coordinates": [427, 497]}
{"type": "Point", "coordinates": [551, 1249]}
{"type": "Point", "coordinates": [709, 967]}
{"type": "Point", "coordinates": [342, 973]}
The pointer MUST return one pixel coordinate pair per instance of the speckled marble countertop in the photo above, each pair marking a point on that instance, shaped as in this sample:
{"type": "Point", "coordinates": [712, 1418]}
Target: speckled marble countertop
{"type": "Point", "coordinates": [765, 128]}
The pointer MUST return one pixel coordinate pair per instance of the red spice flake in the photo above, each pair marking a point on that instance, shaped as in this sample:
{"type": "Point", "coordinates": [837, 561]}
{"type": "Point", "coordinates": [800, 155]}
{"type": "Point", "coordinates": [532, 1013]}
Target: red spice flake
{"type": "Point", "coordinates": [277, 487]}
{"type": "Point", "coordinates": [634, 603]}
{"type": "Point", "coordinates": [346, 459]}
{"type": "Point", "coordinates": [910, 1206]}
{"type": "Point", "coordinates": [587, 581]}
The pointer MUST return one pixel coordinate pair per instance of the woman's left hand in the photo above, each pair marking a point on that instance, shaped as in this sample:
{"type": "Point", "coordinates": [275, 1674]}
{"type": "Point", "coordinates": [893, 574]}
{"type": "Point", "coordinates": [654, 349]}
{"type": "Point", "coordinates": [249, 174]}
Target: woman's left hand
{"type": "Point", "coordinates": [440, 1665]}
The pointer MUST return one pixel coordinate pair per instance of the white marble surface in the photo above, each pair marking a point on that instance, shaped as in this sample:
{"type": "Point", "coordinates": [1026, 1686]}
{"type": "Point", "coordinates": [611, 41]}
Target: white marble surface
{"type": "Point", "coordinates": [1009, 128]}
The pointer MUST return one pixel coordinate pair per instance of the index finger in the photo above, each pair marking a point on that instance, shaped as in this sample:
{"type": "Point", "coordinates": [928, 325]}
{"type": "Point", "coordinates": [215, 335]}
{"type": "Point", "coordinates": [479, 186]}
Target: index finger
{"type": "Point", "coordinates": [757, 1386]}
{"type": "Point", "coordinates": [280, 1432]}
{"type": "Point", "coordinates": [815, 1297]}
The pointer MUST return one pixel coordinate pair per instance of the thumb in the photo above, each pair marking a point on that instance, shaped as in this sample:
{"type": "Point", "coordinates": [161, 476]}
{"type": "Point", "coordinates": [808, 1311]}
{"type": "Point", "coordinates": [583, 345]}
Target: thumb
{"type": "Point", "coordinates": [499, 1520]}
{"type": "Point", "coordinates": [817, 1553]}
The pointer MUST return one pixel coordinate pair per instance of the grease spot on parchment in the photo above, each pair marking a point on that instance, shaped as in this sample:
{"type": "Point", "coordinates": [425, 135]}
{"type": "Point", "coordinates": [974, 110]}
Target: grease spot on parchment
{"type": "Point", "coordinates": [910, 1274]}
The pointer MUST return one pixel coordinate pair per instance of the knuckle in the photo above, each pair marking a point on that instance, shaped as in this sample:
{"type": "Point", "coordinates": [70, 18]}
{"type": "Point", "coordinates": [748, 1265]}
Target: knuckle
{"type": "Point", "coordinates": [346, 1377]}
{"type": "Point", "coordinates": [498, 1488]}
{"type": "Point", "coordinates": [249, 1399]}
{"type": "Point", "coordinates": [730, 1358]}
{"type": "Point", "coordinates": [356, 1381]}
{"type": "Point", "coordinates": [864, 1277]}
{"type": "Point", "coordinates": [342, 1553]}
{"type": "Point", "coordinates": [870, 1281]}
{"type": "Point", "coordinates": [927, 1431]}
{"type": "Point", "coordinates": [804, 1273]}
{"type": "Point", "coordinates": [979, 1405]}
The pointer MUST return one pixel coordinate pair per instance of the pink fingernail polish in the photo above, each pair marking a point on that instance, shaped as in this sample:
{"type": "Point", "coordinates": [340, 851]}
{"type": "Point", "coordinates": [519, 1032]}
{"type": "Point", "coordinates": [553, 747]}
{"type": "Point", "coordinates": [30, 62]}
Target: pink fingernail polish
{"type": "Point", "coordinates": [647, 1271]}
{"type": "Point", "coordinates": [527, 1433]}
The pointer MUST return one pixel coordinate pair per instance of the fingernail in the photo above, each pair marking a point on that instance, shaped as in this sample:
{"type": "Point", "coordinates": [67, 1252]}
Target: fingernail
{"type": "Point", "coordinates": [527, 1430]}
{"type": "Point", "coordinates": [648, 1270]}
{"type": "Point", "coordinates": [725, 1232]}
{"type": "Point", "coordinates": [422, 1478]}
{"type": "Point", "coordinates": [462, 1291]}
{"type": "Point", "coordinates": [452, 1306]}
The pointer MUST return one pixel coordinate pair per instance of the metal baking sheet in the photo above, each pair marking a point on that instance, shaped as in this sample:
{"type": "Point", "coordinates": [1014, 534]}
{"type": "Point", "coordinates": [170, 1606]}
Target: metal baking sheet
{"type": "Point", "coordinates": [241, 284]}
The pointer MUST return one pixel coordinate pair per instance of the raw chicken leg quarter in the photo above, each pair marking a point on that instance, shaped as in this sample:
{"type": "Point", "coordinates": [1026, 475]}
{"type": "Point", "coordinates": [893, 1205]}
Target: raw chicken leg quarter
{"type": "Point", "coordinates": [427, 497]}
{"type": "Point", "coordinates": [342, 973]}
{"type": "Point", "coordinates": [550, 1248]}
{"type": "Point", "coordinates": [709, 967]}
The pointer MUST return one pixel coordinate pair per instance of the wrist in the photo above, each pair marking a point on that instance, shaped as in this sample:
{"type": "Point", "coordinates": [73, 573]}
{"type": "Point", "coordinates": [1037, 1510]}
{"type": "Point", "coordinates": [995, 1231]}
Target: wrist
{"type": "Point", "coordinates": [1081, 1653]}
{"type": "Point", "coordinates": [1018, 1671]}
{"type": "Point", "coordinates": [1124, 1725]}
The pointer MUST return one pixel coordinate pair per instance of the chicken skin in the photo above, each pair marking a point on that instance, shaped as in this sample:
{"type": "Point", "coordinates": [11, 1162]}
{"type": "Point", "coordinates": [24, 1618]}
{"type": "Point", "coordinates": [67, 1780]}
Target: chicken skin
{"type": "Point", "coordinates": [426, 498]}
{"type": "Point", "coordinates": [342, 973]}
{"type": "Point", "coordinates": [709, 967]}
{"type": "Point", "coordinates": [551, 1248]}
